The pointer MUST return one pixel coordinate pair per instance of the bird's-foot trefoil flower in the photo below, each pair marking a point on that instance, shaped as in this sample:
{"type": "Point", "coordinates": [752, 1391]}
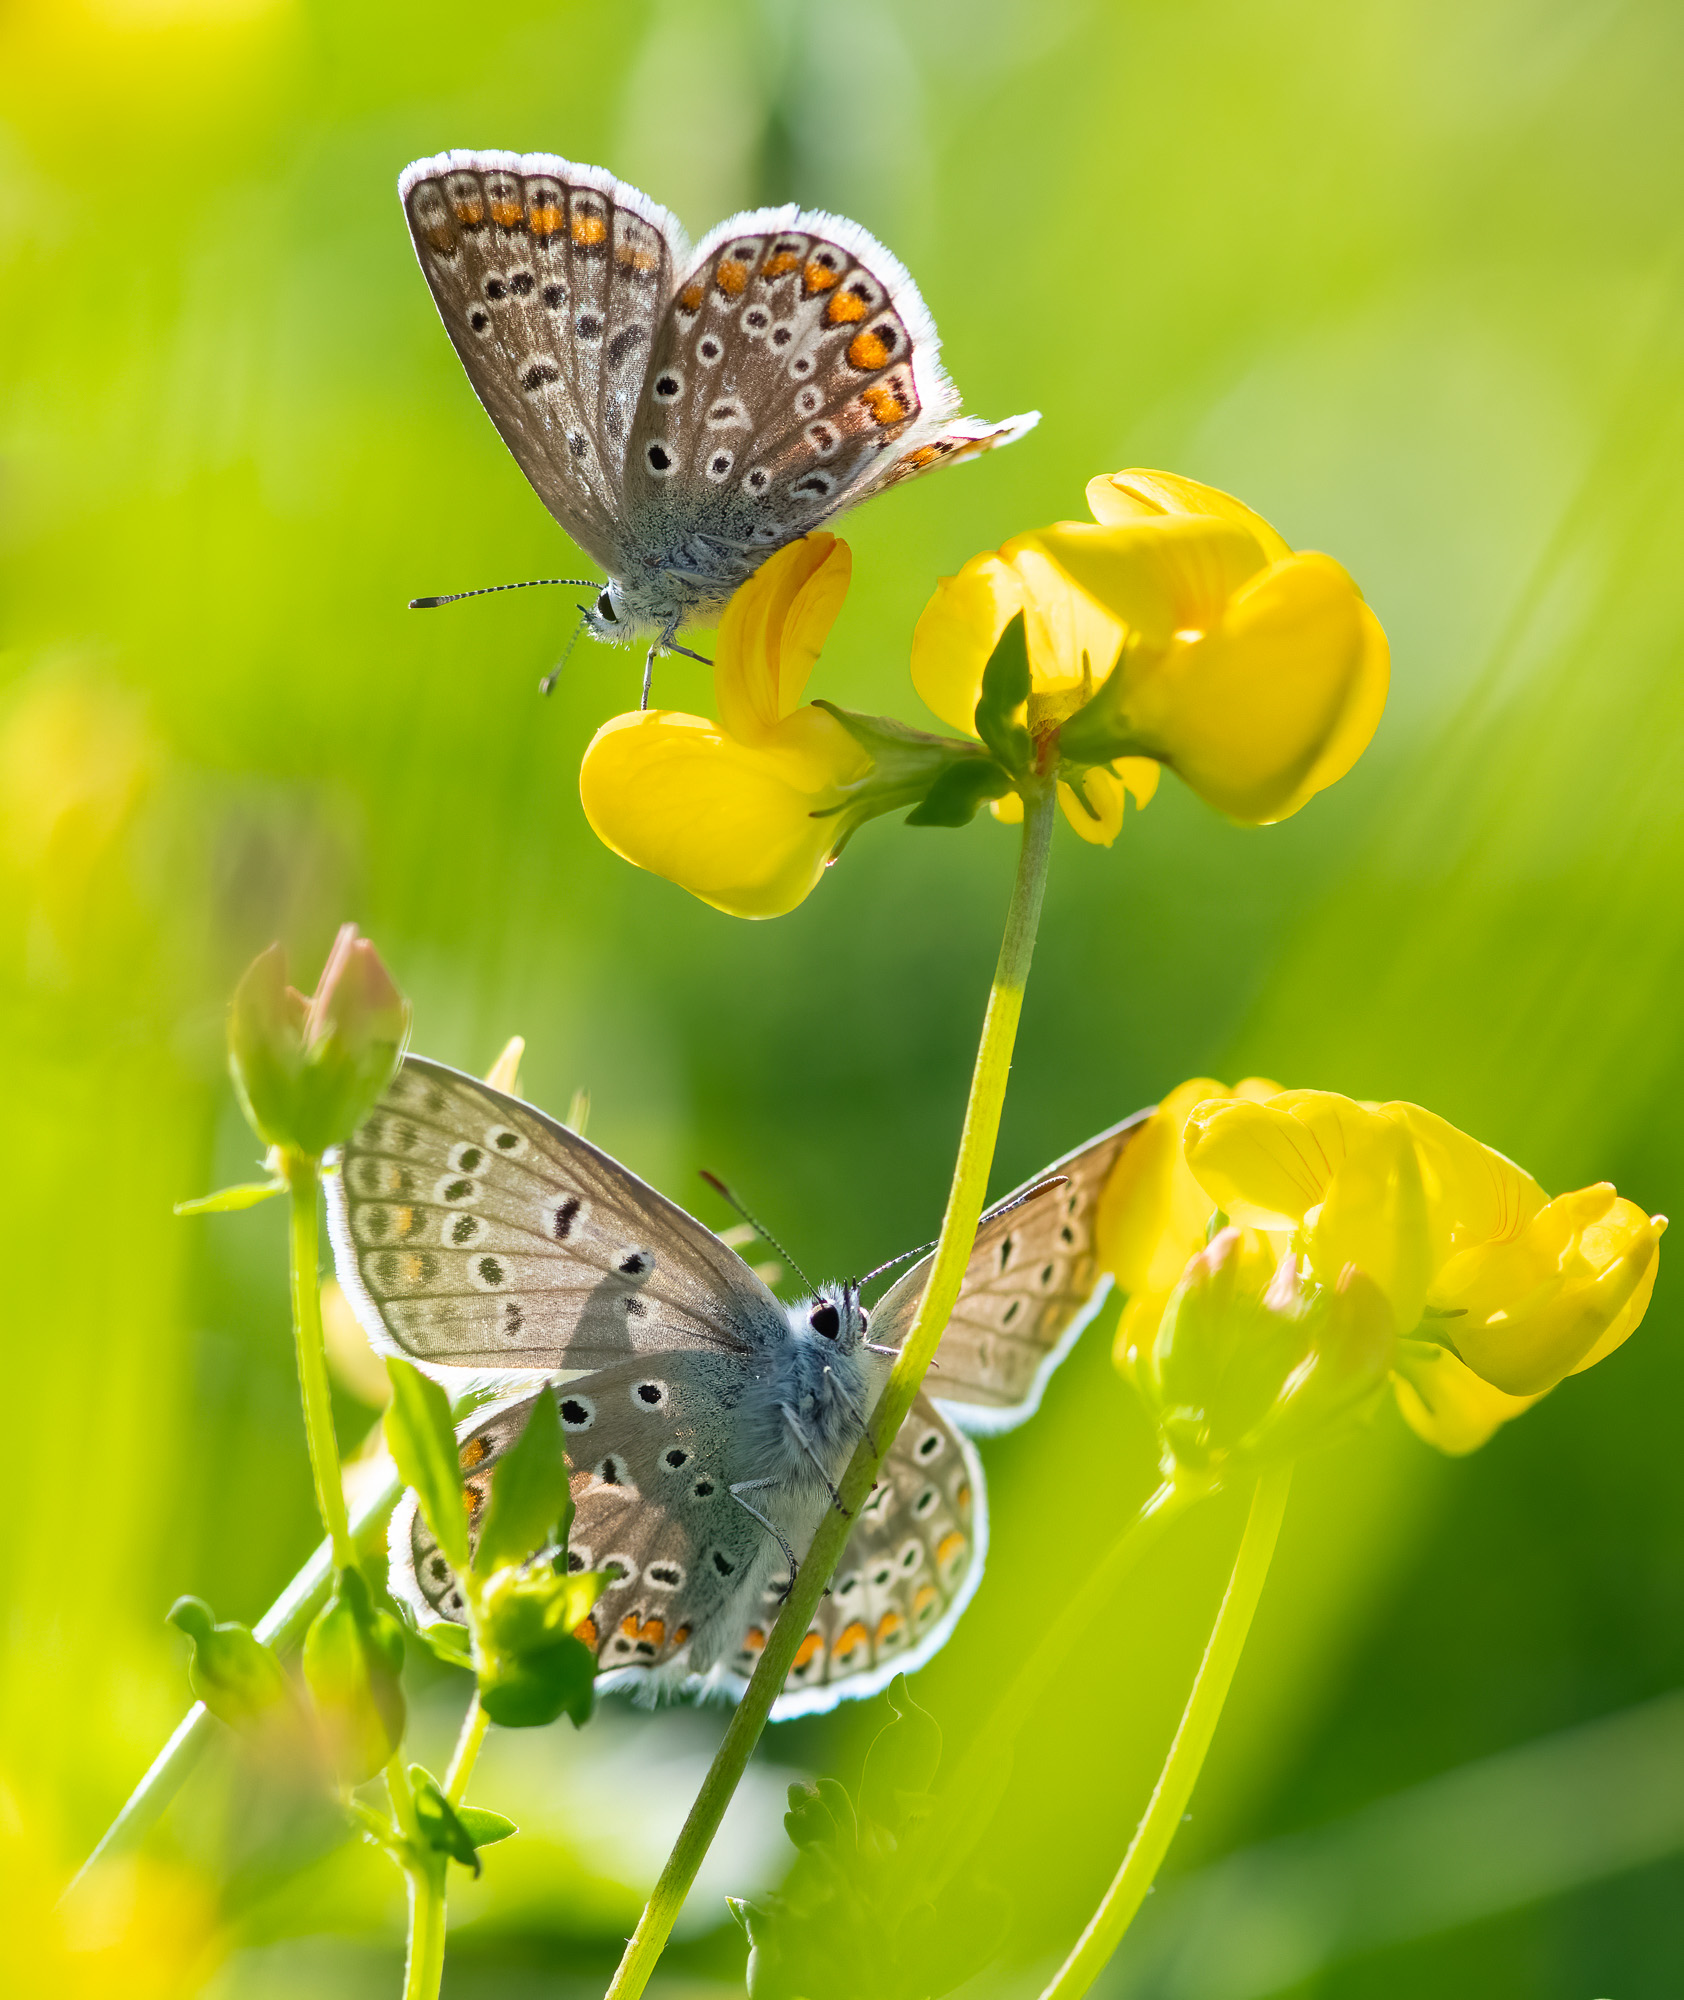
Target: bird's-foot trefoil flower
{"type": "Point", "coordinates": [1286, 1253]}
{"type": "Point", "coordinates": [746, 811]}
{"type": "Point", "coordinates": [1177, 629]}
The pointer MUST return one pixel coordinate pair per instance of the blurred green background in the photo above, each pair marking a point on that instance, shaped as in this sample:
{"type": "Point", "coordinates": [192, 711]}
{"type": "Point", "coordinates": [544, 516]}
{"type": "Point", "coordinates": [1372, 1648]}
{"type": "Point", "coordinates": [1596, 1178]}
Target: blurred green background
{"type": "Point", "coordinates": [1407, 278]}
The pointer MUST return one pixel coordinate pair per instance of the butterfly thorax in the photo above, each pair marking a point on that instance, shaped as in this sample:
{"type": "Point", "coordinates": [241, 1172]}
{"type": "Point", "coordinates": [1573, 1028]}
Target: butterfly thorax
{"type": "Point", "coordinates": [813, 1401]}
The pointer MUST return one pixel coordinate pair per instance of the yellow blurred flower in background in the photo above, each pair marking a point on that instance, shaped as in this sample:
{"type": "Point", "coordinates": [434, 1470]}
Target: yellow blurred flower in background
{"type": "Point", "coordinates": [742, 811]}
{"type": "Point", "coordinates": [1492, 1292]}
{"type": "Point", "coordinates": [1177, 628]}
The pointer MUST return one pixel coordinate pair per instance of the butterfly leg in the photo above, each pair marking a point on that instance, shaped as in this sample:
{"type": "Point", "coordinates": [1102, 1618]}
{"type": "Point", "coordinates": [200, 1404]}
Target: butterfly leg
{"type": "Point", "coordinates": [649, 674]}
{"type": "Point", "coordinates": [854, 1410]}
{"type": "Point", "coordinates": [756, 1486]}
{"type": "Point", "coordinates": [798, 1432]}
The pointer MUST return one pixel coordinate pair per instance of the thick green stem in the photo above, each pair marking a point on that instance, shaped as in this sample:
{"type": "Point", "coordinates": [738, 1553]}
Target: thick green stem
{"type": "Point", "coordinates": [1187, 1751]}
{"type": "Point", "coordinates": [303, 1175]}
{"type": "Point", "coordinates": [953, 1249]}
{"type": "Point", "coordinates": [423, 1968]}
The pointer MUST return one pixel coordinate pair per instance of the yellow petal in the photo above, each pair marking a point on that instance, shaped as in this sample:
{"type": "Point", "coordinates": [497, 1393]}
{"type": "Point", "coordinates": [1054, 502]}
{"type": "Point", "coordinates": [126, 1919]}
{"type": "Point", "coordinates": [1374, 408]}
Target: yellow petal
{"type": "Point", "coordinates": [1354, 729]}
{"type": "Point", "coordinates": [771, 632]}
{"type": "Point", "coordinates": [1445, 1402]}
{"type": "Point", "coordinates": [1118, 497]}
{"type": "Point", "coordinates": [1556, 1298]}
{"type": "Point", "coordinates": [1071, 638]}
{"type": "Point", "coordinates": [1474, 1195]}
{"type": "Point", "coordinates": [1009, 810]}
{"type": "Point", "coordinates": [1159, 577]}
{"type": "Point", "coordinates": [1246, 712]}
{"type": "Point", "coordinates": [957, 631]}
{"type": "Point", "coordinates": [1153, 1214]}
{"type": "Point", "coordinates": [1101, 819]}
{"type": "Point", "coordinates": [1265, 1164]}
{"type": "Point", "coordinates": [731, 823]}
{"type": "Point", "coordinates": [1374, 1217]}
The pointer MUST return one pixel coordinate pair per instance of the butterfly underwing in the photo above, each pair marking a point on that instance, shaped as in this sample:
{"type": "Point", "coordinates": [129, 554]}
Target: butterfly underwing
{"type": "Point", "coordinates": [682, 413]}
{"type": "Point", "coordinates": [706, 1422]}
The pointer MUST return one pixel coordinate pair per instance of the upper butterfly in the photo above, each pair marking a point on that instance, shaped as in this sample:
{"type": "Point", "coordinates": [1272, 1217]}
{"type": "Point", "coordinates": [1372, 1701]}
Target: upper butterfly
{"type": "Point", "coordinates": [683, 414]}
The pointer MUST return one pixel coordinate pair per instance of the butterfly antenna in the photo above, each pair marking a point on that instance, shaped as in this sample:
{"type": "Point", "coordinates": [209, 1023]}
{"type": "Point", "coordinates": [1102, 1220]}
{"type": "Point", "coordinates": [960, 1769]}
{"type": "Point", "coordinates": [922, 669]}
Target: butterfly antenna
{"type": "Point", "coordinates": [759, 1229]}
{"type": "Point", "coordinates": [491, 589]}
{"type": "Point", "coordinates": [905, 1257]}
{"type": "Point", "coordinates": [547, 684]}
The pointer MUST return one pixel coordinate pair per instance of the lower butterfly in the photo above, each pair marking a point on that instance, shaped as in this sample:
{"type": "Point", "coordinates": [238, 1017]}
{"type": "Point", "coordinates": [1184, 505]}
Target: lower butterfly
{"type": "Point", "coordinates": [707, 1423]}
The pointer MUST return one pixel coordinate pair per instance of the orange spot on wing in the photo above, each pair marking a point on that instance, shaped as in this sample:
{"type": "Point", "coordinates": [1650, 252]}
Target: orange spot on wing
{"type": "Point", "coordinates": [589, 229]}
{"type": "Point", "coordinates": [403, 1221]}
{"type": "Point", "coordinates": [473, 1499]}
{"type": "Point", "coordinates": [962, 1499]}
{"type": "Point", "coordinates": [818, 277]}
{"type": "Point", "coordinates": [691, 297]}
{"type": "Point", "coordinates": [644, 1631]}
{"type": "Point", "coordinates": [948, 1547]}
{"type": "Point", "coordinates": [807, 1652]}
{"type": "Point", "coordinates": [507, 214]}
{"type": "Point", "coordinates": [586, 1632]}
{"type": "Point", "coordinates": [889, 1627]}
{"type": "Point", "coordinates": [754, 1640]}
{"type": "Point", "coordinates": [469, 213]}
{"type": "Point", "coordinates": [926, 1601]}
{"type": "Point", "coordinates": [679, 1637]}
{"type": "Point", "coordinates": [867, 350]}
{"type": "Point", "coordinates": [412, 1267]}
{"type": "Point", "coordinates": [781, 265]}
{"type": "Point", "coordinates": [731, 277]}
{"type": "Point", "coordinates": [925, 454]}
{"type": "Point", "coordinates": [853, 1637]}
{"type": "Point", "coordinates": [882, 402]}
{"type": "Point", "coordinates": [473, 1451]}
{"type": "Point", "coordinates": [844, 309]}
{"type": "Point", "coordinates": [546, 218]}
{"type": "Point", "coordinates": [630, 258]}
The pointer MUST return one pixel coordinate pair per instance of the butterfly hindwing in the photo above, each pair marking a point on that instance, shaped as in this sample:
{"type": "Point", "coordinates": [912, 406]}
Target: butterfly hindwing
{"type": "Point", "coordinates": [909, 1568]}
{"type": "Point", "coordinates": [1031, 1285]}
{"type": "Point", "coordinates": [472, 1231]}
{"type": "Point", "coordinates": [649, 1446]}
{"type": "Point", "coordinates": [551, 279]}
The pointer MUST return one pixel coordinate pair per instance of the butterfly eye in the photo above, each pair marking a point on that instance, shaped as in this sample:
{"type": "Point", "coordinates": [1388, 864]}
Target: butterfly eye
{"type": "Point", "coordinates": [826, 1320]}
{"type": "Point", "coordinates": [605, 608]}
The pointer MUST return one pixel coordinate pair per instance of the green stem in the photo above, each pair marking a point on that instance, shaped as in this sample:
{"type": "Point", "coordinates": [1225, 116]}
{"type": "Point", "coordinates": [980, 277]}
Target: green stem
{"type": "Point", "coordinates": [953, 1249]}
{"type": "Point", "coordinates": [423, 1968]}
{"type": "Point", "coordinates": [467, 1749]}
{"type": "Point", "coordinates": [1187, 1751]}
{"type": "Point", "coordinates": [303, 1176]}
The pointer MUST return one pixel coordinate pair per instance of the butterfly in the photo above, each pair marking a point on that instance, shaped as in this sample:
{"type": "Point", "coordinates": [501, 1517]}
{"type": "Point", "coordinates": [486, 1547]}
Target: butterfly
{"type": "Point", "coordinates": [706, 1422]}
{"type": "Point", "coordinates": [682, 413]}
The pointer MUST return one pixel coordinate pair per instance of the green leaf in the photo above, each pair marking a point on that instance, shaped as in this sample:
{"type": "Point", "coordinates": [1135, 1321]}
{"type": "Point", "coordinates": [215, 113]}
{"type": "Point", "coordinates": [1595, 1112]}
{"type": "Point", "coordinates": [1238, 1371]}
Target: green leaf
{"type": "Point", "coordinates": [422, 1441]}
{"type": "Point", "coordinates": [1005, 689]}
{"type": "Point", "coordinates": [529, 1689]}
{"type": "Point", "coordinates": [247, 1195]}
{"type": "Point", "coordinates": [453, 1644]}
{"type": "Point", "coordinates": [901, 1764]}
{"type": "Point", "coordinates": [958, 793]}
{"type": "Point", "coordinates": [235, 1675]}
{"type": "Point", "coordinates": [529, 1497]}
{"type": "Point", "coordinates": [484, 1828]}
{"type": "Point", "coordinates": [437, 1819]}
{"type": "Point", "coordinates": [353, 1655]}
{"type": "Point", "coordinates": [906, 766]}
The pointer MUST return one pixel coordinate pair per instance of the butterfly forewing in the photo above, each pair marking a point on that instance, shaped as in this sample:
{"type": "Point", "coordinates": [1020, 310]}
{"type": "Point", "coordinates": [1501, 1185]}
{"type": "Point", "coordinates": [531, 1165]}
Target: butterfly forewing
{"type": "Point", "coordinates": [551, 279]}
{"type": "Point", "coordinates": [472, 1231]}
{"type": "Point", "coordinates": [1029, 1287]}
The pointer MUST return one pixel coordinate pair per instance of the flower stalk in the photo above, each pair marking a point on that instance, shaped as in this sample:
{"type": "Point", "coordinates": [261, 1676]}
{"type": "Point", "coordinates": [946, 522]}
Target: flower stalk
{"type": "Point", "coordinates": [303, 1177]}
{"type": "Point", "coordinates": [953, 1249]}
{"type": "Point", "coordinates": [1187, 1750]}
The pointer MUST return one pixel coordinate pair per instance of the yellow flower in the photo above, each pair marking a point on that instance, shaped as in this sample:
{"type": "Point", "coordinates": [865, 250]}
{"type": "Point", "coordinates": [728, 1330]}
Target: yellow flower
{"type": "Point", "coordinates": [742, 812]}
{"type": "Point", "coordinates": [1071, 640]}
{"type": "Point", "coordinates": [1200, 639]}
{"type": "Point", "coordinates": [1492, 1291]}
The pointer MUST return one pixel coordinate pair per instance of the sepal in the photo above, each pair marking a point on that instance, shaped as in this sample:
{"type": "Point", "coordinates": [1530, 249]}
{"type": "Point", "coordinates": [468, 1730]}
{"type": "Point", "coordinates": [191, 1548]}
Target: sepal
{"type": "Point", "coordinates": [234, 1674]}
{"type": "Point", "coordinates": [910, 767]}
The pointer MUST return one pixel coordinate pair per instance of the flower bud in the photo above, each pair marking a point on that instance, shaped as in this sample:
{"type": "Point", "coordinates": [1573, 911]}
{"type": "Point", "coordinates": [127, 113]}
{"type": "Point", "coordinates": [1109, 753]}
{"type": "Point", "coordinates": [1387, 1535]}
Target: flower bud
{"type": "Point", "coordinates": [1249, 1362]}
{"type": "Point", "coordinates": [353, 1656]}
{"type": "Point", "coordinates": [531, 1668]}
{"type": "Point", "coordinates": [308, 1071]}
